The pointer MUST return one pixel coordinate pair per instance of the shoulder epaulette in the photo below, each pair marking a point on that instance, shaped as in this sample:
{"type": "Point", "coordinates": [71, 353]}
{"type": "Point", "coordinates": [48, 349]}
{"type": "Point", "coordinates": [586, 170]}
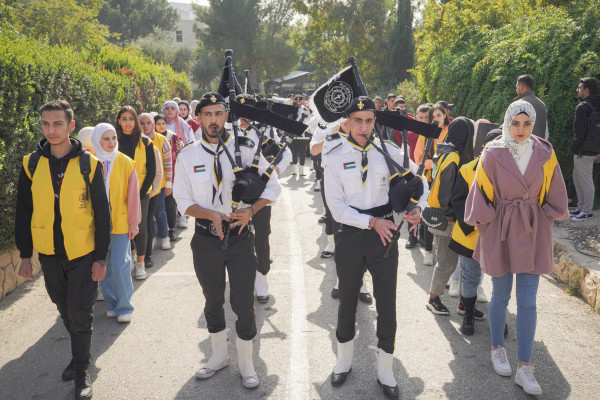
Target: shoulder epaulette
{"type": "Point", "coordinates": [333, 148]}
{"type": "Point", "coordinates": [333, 137]}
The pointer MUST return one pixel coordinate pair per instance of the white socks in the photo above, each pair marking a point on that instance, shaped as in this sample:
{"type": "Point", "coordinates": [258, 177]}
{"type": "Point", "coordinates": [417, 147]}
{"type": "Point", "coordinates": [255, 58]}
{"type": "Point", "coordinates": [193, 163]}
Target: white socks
{"type": "Point", "coordinates": [261, 286]}
{"type": "Point", "coordinates": [385, 374]}
{"type": "Point", "coordinates": [344, 357]}
{"type": "Point", "coordinates": [330, 244]}
{"type": "Point", "coordinates": [337, 283]}
{"type": "Point", "coordinates": [363, 288]}
{"type": "Point", "coordinates": [219, 351]}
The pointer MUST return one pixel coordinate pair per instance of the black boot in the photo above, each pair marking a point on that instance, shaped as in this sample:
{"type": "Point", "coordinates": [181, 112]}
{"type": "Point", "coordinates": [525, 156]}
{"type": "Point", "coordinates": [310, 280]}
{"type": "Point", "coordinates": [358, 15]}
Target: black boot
{"type": "Point", "coordinates": [83, 385]}
{"type": "Point", "coordinates": [468, 325]}
{"type": "Point", "coordinates": [69, 372]}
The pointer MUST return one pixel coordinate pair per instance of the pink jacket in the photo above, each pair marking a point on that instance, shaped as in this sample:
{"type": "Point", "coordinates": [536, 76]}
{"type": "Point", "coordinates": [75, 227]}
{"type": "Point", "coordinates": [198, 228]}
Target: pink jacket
{"type": "Point", "coordinates": [515, 233]}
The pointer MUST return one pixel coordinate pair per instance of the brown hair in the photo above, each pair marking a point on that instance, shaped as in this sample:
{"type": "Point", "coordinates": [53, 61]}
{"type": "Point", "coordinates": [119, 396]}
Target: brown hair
{"type": "Point", "coordinates": [440, 107]}
{"type": "Point", "coordinates": [58, 105]}
{"type": "Point", "coordinates": [137, 130]}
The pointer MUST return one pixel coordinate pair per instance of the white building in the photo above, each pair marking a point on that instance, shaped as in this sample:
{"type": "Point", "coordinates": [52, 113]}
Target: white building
{"type": "Point", "coordinates": [184, 34]}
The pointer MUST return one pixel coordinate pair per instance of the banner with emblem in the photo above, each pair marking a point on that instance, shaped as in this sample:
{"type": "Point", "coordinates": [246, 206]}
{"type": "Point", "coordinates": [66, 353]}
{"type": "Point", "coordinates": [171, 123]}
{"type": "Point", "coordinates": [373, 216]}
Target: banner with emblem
{"type": "Point", "coordinates": [330, 100]}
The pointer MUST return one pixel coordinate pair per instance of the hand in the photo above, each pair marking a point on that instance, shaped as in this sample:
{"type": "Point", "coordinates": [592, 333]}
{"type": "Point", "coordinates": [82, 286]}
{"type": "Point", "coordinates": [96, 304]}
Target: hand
{"type": "Point", "coordinates": [242, 217]}
{"type": "Point", "coordinates": [413, 217]}
{"type": "Point", "coordinates": [277, 170]}
{"type": "Point", "coordinates": [384, 228]}
{"type": "Point", "coordinates": [168, 191]}
{"type": "Point", "coordinates": [217, 219]}
{"type": "Point", "coordinates": [26, 270]}
{"type": "Point", "coordinates": [133, 232]}
{"type": "Point", "coordinates": [98, 271]}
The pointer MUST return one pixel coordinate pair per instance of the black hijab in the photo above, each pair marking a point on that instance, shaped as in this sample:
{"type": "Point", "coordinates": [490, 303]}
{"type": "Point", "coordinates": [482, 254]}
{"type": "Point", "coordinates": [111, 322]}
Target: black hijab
{"type": "Point", "coordinates": [460, 136]}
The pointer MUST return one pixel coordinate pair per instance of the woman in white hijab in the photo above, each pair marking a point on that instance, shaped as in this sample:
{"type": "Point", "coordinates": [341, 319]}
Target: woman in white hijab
{"type": "Point", "coordinates": [122, 189]}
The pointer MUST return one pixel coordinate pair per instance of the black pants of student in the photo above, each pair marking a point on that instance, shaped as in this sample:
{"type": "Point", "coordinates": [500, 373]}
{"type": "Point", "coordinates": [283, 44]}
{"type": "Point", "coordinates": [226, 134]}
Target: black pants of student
{"type": "Point", "coordinates": [262, 230]}
{"type": "Point", "coordinates": [354, 248]}
{"type": "Point", "coordinates": [210, 262]}
{"type": "Point", "coordinates": [329, 222]}
{"type": "Point", "coordinates": [171, 207]}
{"type": "Point", "coordinates": [298, 152]}
{"type": "Point", "coordinates": [427, 236]}
{"type": "Point", "coordinates": [140, 241]}
{"type": "Point", "coordinates": [71, 288]}
{"type": "Point", "coordinates": [317, 166]}
{"type": "Point", "coordinates": [149, 222]}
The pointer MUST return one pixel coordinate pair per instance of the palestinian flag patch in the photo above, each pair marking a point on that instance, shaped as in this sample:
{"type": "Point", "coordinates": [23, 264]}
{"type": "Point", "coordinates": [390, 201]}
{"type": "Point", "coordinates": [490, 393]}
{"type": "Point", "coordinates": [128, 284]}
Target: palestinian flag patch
{"type": "Point", "coordinates": [199, 168]}
{"type": "Point", "coordinates": [349, 165]}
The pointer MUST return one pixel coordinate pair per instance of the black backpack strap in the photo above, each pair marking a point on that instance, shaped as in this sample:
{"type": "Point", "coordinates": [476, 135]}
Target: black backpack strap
{"type": "Point", "coordinates": [34, 158]}
{"type": "Point", "coordinates": [85, 168]}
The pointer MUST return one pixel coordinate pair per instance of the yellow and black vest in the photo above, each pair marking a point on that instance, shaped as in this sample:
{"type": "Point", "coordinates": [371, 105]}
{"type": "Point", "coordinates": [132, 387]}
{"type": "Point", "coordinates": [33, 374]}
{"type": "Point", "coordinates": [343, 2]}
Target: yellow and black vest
{"type": "Point", "coordinates": [461, 243]}
{"type": "Point", "coordinates": [159, 142]}
{"type": "Point", "coordinates": [75, 208]}
{"type": "Point", "coordinates": [444, 161]}
{"type": "Point", "coordinates": [119, 178]}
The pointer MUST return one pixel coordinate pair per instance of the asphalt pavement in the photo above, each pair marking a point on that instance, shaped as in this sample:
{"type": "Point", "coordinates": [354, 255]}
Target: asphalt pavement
{"type": "Point", "coordinates": [155, 356]}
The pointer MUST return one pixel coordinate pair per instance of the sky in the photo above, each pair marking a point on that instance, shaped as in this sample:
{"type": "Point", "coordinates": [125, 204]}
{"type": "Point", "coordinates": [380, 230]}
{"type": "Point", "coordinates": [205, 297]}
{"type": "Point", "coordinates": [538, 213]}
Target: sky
{"type": "Point", "coordinates": [201, 2]}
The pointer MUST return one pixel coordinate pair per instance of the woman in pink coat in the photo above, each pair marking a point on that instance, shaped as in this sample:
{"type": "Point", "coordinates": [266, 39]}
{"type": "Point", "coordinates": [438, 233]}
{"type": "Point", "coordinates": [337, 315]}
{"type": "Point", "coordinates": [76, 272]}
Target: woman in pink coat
{"type": "Point", "coordinates": [517, 194]}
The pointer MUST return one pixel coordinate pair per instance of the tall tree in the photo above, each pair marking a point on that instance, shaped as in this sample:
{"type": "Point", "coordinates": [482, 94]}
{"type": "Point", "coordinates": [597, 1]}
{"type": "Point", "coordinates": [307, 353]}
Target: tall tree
{"type": "Point", "coordinates": [132, 19]}
{"type": "Point", "coordinates": [401, 53]}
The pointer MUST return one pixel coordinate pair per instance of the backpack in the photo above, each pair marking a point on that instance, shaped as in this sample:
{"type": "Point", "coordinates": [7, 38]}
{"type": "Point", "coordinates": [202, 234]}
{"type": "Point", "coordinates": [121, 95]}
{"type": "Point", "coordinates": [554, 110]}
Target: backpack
{"type": "Point", "coordinates": [85, 168]}
{"type": "Point", "coordinates": [592, 141]}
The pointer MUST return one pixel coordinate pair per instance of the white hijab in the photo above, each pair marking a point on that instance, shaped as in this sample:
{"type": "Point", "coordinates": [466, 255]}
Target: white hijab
{"type": "Point", "coordinates": [106, 158]}
{"type": "Point", "coordinates": [521, 152]}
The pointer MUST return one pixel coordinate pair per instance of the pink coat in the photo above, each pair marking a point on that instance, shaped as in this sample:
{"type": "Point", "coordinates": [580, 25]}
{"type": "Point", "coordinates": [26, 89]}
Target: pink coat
{"type": "Point", "coordinates": [515, 233]}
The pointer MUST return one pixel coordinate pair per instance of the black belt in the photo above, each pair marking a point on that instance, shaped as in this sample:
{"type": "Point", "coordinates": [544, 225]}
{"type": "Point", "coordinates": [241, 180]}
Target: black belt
{"type": "Point", "coordinates": [205, 227]}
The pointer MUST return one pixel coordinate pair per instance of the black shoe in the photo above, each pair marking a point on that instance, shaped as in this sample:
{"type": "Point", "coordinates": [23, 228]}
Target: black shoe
{"type": "Point", "coordinates": [339, 379]}
{"type": "Point", "coordinates": [316, 189]}
{"type": "Point", "coordinates": [69, 372]}
{"type": "Point", "coordinates": [262, 299]}
{"type": "Point", "coordinates": [335, 293]}
{"type": "Point", "coordinates": [477, 314]}
{"type": "Point", "coordinates": [323, 219]}
{"type": "Point", "coordinates": [365, 298]}
{"type": "Point", "coordinates": [391, 392]}
{"type": "Point", "coordinates": [326, 254]}
{"type": "Point", "coordinates": [505, 329]}
{"type": "Point", "coordinates": [83, 385]}
{"type": "Point", "coordinates": [437, 307]}
{"type": "Point", "coordinates": [172, 236]}
{"type": "Point", "coordinates": [411, 242]}
{"type": "Point", "coordinates": [468, 324]}
{"type": "Point", "coordinates": [148, 263]}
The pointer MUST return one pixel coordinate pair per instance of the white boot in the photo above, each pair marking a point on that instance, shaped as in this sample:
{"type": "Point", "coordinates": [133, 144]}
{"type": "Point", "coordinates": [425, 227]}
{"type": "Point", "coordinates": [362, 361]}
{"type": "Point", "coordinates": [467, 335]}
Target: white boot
{"type": "Point", "coordinates": [345, 353]}
{"type": "Point", "coordinates": [330, 248]}
{"type": "Point", "coordinates": [301, 170]}
{"type": "Point", "coordinates": [246, 364]}
{"type": "Point", "coordinates": [295, 172]}
{"type": "Point", "coordinates": [261, 287]}
{"type": "Point", "coordinates": [219, 359]}
{"type": "Point", "coordinates": [385, 374]}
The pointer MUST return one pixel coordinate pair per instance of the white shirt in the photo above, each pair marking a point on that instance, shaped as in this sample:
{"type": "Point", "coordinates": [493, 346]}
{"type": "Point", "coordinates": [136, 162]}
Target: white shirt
{"type": "Point", "coordinates": [344, 188]}
{"type": "Point", "coordinates": [286, 159]}
{"type": "Point", "coordinates": [194, 177]}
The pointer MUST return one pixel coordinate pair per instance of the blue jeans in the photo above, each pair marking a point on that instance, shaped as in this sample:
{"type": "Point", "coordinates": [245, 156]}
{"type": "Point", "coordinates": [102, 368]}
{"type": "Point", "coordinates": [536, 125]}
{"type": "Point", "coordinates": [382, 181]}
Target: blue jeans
{"type": "Point", "coordinates": [471, 276]}
{"type": "Point", "coordinates": [527, 286]}
{"type": "Point", "coordinates": [161, 215]}
{"type": "Point", "coordinates": [117, 286]}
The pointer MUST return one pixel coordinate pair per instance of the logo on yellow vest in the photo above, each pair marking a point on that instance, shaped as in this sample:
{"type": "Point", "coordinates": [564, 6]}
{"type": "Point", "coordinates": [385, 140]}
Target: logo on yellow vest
{"type": "Point", "coordinates": [82, 201]}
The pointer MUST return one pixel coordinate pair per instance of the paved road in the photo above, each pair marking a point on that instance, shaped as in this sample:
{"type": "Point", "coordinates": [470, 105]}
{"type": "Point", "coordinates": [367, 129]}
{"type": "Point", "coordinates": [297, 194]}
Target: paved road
{"type": "Point", "coordinates": [156, 355]}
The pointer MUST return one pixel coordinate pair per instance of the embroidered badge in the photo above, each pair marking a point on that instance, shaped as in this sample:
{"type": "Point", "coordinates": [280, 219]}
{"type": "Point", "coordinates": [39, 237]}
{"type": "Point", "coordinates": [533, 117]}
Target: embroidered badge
{"type": "Point", "coordinates": [199, 168]}
{"type": "Point", "coordinates": [349, 165]}
{"type": "Point", "coordinates": [360, 105]}
{"type": "Point", "coordinates": [213, 99]}
{"type": "Point", "coordinates": [242, 100]}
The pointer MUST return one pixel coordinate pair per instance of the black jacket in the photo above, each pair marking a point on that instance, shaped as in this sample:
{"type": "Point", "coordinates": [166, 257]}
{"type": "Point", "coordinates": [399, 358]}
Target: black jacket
{"type": "Point", "coordinates": [580, 125]}
{"type": "Point", "coordinates": [447, 178]}
{"type": "Point", "coordinates": [127, 147]}
{"type": "Point", "coordinates": [24, 207]}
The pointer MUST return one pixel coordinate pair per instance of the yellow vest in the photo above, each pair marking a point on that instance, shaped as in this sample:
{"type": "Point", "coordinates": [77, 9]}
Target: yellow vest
{"type": "Point", "coordinates": [159, 142]}
{"type": "Point", "coordinates": [468, 241]}
{"type": "Point", "coordinates": [445, 160]}
{"type": "Point", "coordinates": [76, 212]}
{"type": "Point", "coordinates": [119, 178]}
{"type": "Point", "coordinates": [140, 163]}
{"type": "Point", "coordinates": [433, 149]}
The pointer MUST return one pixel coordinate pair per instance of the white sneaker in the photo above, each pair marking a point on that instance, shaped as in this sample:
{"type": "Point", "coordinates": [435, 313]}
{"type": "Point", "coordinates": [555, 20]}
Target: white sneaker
{"type": "Point", "coordinates": [165, 243]}
{"type": "Point", "coordinates": [140, 271]}
{"type": "Point", "coordinates": [481, 297]}
{"type": "Point", "coordinates": [428, 258]}
{"type": "Point", "coordinates": [124, 318]}
{"type": "Point", "coordinates": [500, 362]}
{"type": "Point", "coordinates": [454, 290]}
{"type": "Point", "coordinates": [527, 381]}
{"type": "Point", "coordinates": [182, 222]}
{"type": "Point", "coordinates": [110, 314]}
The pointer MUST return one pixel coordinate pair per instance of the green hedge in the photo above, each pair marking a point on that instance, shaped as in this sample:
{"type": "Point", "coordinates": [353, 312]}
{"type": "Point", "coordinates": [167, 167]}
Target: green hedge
{"type": "Point", "coordinates": [96, 82]}
{"type": "Point", "coordinates": [471, 53]}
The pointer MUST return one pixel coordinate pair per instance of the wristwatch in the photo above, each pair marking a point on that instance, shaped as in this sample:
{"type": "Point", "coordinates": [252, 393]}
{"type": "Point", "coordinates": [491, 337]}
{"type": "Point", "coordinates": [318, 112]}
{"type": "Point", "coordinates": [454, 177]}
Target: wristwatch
{"type": "Point", "coordinates": [102, 262]}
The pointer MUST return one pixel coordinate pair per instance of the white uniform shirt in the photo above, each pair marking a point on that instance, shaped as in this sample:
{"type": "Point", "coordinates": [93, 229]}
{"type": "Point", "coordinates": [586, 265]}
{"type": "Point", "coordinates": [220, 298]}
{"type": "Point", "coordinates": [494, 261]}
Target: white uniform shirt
{"type": "Point", "coordinates": [344, 188]}
{"type": "Point", "coordinates": [194, 177]}
{"type": "Point", "coordinates": [286, 159]}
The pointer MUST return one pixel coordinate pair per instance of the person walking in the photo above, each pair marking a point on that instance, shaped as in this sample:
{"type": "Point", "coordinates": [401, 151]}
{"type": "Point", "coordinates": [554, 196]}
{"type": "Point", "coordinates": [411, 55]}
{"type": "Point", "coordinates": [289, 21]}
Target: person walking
{"type": "Point", "coordinates": [62, 212]}
{"type": "Point", "coordinates": [122, 191]}
{"type": "Point", "coordinates": [517, 194]}
{"type": "Point", "coordinates": [524, 89]}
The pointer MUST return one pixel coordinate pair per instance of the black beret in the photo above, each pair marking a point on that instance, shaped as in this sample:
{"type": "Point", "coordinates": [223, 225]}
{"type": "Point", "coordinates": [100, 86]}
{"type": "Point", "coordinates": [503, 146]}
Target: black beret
{"type": "Point", "coordinates": [245, 98]}
{"type": "Point", "coordinates": [360, 103]}
{"type": "Point", "coordinates": [491, 135]}
{"type": "Point", "coordinates": [209, 99]}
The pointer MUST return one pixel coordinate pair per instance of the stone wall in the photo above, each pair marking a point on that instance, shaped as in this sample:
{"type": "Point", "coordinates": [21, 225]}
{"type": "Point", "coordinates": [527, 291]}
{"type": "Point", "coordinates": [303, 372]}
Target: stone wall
{"type": "Point", "coordinates": [10, 262]}
{"type": "Point", "coordinates": [569, 271]}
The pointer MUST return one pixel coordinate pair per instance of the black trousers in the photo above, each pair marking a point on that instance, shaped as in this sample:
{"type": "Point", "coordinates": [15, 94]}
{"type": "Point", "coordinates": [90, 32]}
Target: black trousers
{"type": "Point", "coordinates": [71, 288]}
{"type": "Point", "coordinates": [152, 203]}
{"type": "Point", "coordinates": [298, 149]}
{"type": "Point", "coordinates": [353, 249]}
{"type": "Point", "coordinates": [317, 166]}
{"type": "Point", "coordinates": [329, 222]}
{"type": "Point", "coordinates": [171, 207]}
{"type": "Point", "coordinates": [262, 230]}
{"type": "Point", "coordinates": [140, 241]}
{"type": "Point", "coordinates": [210, 263]}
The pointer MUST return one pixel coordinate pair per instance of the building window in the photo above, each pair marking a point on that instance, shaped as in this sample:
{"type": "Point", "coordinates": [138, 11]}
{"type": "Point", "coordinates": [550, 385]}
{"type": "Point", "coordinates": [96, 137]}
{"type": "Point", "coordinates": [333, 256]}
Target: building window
{"type": "Point", "coordinates": [179, 36]}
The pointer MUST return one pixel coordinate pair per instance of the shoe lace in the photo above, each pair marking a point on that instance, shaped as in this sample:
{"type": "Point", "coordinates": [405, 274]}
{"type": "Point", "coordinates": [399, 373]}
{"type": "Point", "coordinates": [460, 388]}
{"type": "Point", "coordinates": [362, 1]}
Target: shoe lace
{"type": "Point", "coordinates": [81, 379]}
{"type": "Point", "coordinates": [500, 356]}
{"type": "Point", "coordinates": [528, 373]}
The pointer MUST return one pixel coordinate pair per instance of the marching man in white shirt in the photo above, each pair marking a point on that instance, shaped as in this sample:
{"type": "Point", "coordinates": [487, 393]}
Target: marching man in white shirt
{"type": "Point", "coordinates": [203, 189]}
{"type": "Point", "coordinates": [357, 182]}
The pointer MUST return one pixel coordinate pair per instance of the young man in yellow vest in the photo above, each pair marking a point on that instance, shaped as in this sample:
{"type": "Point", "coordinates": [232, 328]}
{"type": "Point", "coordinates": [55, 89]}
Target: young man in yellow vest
{"type": "Point", "coordinates": [62, 212]}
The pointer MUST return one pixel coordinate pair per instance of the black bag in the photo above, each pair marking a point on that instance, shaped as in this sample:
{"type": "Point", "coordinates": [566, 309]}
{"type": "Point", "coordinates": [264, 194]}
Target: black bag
{"type": "Point", "coordinates": [592, 141]}
{"type": "Point", "coordinates": [434, 218]}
